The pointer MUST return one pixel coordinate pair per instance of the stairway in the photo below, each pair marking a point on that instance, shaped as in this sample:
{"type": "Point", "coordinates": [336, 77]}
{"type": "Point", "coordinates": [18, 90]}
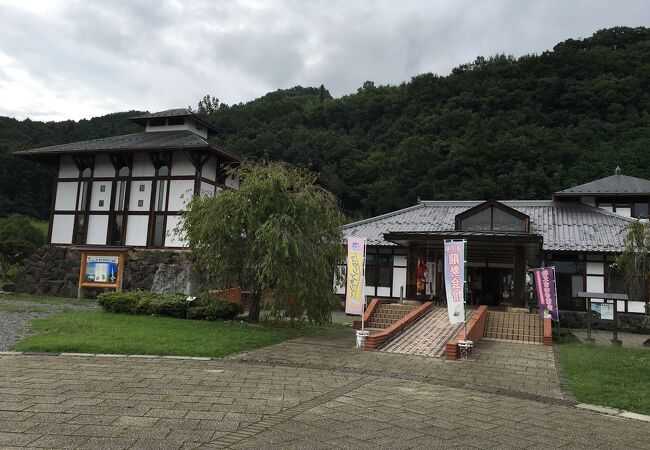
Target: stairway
{"type": "Point", "coordinates": [514, 327]}
{"type": "Point", "coordinates": [387, 314]}
{"type": "Point", "coordinates": [426, 337]}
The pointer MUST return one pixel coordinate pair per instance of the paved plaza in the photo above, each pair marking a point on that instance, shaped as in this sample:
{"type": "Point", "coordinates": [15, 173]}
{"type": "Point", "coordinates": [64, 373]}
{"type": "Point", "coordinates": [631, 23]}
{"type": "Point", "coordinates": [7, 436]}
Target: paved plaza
{"type": "Point", "coordinates": [313, 393]}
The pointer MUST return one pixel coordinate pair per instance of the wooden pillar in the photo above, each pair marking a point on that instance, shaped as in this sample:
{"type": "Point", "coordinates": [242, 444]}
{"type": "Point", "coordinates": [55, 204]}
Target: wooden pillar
{"type": "Point", "coordinates": [519, 275]}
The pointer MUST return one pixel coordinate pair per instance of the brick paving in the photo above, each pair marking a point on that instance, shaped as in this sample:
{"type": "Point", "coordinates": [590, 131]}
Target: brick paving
{"type": "Point", "coordinates": [427, 337]}
{"type": "Point", "coordinates": [307, 393]}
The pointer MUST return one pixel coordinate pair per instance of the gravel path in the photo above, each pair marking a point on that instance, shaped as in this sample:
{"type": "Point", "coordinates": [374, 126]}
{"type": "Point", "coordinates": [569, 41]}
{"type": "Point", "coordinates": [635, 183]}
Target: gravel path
{"type": "Point", "coordinates": [16, 315]}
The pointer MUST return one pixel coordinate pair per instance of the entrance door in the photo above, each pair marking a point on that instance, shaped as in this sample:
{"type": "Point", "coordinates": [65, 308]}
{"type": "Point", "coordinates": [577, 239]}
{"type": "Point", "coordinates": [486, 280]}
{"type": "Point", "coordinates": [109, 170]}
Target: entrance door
{"type": "Point", "coordinates": [487, 286]}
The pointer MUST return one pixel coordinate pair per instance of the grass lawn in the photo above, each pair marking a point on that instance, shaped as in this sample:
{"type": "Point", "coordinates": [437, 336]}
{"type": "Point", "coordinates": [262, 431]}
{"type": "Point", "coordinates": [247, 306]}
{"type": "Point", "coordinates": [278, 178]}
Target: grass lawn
{"type": "Point", "coordinates": [45, 300]}
{"type": "Point", "coordinates": [609, 376]}
{"type": "Point", "coordinates": [100, 332]}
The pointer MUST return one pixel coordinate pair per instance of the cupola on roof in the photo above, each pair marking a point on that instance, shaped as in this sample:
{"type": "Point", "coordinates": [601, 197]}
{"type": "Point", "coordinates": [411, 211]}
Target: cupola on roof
{"type": "Point", "coordinates": [617, 184]}
{"type": "Point", "coordinates": [166, 118]}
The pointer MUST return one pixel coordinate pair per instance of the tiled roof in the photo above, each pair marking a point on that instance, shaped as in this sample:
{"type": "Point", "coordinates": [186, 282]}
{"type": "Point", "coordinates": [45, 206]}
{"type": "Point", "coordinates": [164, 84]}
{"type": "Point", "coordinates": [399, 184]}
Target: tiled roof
{"type": "Point", "coordinates": [614, 184]}
{"type": "Point", "coordinates": [166, 113]}
{"type": "Point", "coordinates": [153, 140]}
{"type": "Point", "coordinates": [564, 226]}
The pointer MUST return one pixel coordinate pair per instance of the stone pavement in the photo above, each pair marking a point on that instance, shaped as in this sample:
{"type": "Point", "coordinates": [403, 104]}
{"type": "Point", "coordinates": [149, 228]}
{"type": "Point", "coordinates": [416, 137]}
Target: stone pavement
{"type": "Point", "coordinates": [336, 397]}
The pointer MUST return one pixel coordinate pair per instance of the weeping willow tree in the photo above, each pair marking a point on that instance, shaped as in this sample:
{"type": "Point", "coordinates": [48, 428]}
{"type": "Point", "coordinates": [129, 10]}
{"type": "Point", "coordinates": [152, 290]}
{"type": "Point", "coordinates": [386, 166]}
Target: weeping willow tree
{"type": "Point", "coordinates": [634, 262]}
{"type": "Point", "coordinates": [278, 237]}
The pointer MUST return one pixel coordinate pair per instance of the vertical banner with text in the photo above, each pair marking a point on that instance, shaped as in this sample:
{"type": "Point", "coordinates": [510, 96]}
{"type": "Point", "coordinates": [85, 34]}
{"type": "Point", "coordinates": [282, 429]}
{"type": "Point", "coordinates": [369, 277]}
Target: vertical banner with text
{"type": "Point", "coordinates": [355, 289]}
{"type": "Point", "coordinates": [546, 292]}
{"type": "Point", "coordinates": [455, 280]}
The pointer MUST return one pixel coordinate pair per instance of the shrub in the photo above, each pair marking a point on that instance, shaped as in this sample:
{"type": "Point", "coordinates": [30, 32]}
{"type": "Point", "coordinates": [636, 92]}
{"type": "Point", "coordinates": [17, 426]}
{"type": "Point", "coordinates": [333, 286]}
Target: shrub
{"type": "Point", "coordinates": [143, 302]}
{"type": "Point", "coordinates": [205, 307]}
{"type": "Point", "coordinates": [212, 307]}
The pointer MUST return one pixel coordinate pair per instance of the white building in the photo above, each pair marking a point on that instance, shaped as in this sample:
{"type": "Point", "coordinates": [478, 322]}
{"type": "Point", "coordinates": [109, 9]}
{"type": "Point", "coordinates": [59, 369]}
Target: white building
{"type": "Point", "coordinates": [129, 190]}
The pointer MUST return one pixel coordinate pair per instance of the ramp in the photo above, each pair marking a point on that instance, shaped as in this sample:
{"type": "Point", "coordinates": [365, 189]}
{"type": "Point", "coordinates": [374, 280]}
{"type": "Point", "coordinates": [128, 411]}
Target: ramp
{"type": "Point", "coordinates": [426, 337]}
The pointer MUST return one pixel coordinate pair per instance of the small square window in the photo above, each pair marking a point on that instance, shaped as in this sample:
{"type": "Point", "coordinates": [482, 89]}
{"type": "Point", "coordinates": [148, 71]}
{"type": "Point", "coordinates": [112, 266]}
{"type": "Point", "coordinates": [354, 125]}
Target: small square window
{"type": "Point", "coordinates": [140, 203]}
{"type": "Point", "coordinates": [142, 188]}
{"type": "Point", "coordinates": [102, 188]}
{"type": "Point", "coordinates": [101, 203]}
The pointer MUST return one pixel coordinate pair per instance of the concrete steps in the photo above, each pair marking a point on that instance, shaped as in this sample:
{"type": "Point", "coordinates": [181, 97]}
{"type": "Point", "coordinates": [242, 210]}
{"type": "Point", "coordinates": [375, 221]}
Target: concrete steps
{"type": "Point", "coordinates": [514, 327]}
{"type": "Point", "coordinates": [426, 337]}
{"type": "Point", "coordinates": [387, 314]}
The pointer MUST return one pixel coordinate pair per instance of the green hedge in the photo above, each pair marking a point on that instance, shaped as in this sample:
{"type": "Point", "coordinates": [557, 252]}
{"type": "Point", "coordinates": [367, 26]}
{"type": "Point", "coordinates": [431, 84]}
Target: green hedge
{"type": "Point", "coordinates": [204, 307]}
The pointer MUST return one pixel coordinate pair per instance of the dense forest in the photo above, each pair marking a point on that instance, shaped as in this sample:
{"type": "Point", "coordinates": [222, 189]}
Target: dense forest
{"type": "Point", "coordinates": [499, 127]}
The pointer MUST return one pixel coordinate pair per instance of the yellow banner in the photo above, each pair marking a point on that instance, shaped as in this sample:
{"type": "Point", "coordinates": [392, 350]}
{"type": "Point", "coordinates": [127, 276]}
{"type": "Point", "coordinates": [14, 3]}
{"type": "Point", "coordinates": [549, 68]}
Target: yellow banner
{"type": "Point", "coordinates": [354, 294]}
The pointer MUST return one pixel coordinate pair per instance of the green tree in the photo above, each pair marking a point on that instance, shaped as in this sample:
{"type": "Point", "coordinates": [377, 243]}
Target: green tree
{"type": "Point", "coordinates": [208, 105]}
{"type": "Point", "coordinates": [634, 261]}
{"type": "Point", "coordinates": [278, 236]}
{"type": "Point", "coordinates": [18, 239]}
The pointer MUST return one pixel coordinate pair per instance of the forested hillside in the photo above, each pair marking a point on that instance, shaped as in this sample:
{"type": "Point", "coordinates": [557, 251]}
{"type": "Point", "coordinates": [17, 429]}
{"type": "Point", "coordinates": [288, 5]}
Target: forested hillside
{"type": "Point", "coordinates": [499, 127]}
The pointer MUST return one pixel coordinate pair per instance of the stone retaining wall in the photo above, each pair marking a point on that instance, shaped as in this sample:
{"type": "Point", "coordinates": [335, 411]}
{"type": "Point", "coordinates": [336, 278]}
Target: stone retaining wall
{"type": "Point", "coordinates": [629, 322]}
{"type": "Point", "coordinates": [54, 270]}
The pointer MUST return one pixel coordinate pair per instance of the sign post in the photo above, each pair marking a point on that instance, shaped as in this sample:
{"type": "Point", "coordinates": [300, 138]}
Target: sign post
{"type": "Point", "coordinates": [101, 268]}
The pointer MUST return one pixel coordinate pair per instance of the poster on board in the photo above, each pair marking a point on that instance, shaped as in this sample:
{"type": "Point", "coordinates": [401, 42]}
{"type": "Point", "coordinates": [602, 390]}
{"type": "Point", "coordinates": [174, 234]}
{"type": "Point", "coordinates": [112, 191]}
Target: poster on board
{"type": "Point", "coordinates": [101, 269]}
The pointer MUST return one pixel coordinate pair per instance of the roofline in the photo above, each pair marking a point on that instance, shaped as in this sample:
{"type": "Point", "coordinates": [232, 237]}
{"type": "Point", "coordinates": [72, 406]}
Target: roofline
{"type": "Point", "coordinates": [382, 216]}
{"type": "Point", "coordinates": [142, 120]}
{"type": "Point", "coordinates": [601, 193]}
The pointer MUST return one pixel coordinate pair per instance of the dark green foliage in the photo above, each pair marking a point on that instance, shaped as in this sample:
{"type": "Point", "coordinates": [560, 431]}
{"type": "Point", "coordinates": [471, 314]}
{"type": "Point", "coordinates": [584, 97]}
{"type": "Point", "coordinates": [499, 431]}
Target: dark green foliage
{"type": "Point", "coordinates": [212, 307]}
{"type": "Point", "coordinates": [205, 307]}
{"type": "Point", "coordinates": [143, 302]}
{"type": "Point", "coordinates": [19, 238]}
{"type": "Point", "coordinates": [498, 127]}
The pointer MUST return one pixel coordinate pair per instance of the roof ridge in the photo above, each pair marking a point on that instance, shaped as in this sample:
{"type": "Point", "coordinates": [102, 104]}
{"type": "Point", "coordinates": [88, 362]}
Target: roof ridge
{"type": "Point", "coordinates": [382, 216]}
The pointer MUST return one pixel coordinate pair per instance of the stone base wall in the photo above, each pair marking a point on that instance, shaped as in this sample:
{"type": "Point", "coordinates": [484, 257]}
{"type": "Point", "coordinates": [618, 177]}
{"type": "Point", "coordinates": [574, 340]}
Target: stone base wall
{"type": "Point", "coordinates": [54, 270]}
{"type": "Point", "coordinates": [626, 322]}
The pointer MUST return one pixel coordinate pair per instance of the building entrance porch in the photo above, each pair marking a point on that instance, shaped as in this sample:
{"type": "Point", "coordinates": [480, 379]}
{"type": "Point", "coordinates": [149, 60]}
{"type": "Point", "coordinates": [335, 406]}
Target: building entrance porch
{"type": "Point", "coordinates": [496, 267]}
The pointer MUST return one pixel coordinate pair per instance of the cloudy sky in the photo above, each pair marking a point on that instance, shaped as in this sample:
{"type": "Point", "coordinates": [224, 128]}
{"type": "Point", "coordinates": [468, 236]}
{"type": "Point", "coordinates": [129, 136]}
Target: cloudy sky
{"type": "Point", "coordinates": [82, 58]}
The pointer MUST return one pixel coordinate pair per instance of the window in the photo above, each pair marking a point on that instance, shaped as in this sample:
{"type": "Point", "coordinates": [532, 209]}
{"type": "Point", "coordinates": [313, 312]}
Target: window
{"type": "Point", "coordinates": [176, 121]}
{"type": "Point", "coordinates": [378, 270]}
{"type": "Point", "coordinates": [124, 171]}
{"type": "Point", "coordinates": [479, 221]}
{"type": "Point", "coordinates": [140, 203]}
{"type": "Point", "coordinates": [121, 193]}
{"type": "Point", "coordinates": [158, 231]}
{"type": "Point", "coordinates": [142, 188]}
{"type": "Point", "coordinates": [101, 203]}
{"type": "Point", "coordinates": [492, 218]}
{"type": "Point", "coordinates": [641, 210]}
{"type": "Point", "coordinates": [157, 122]}
{"type": "Point", "coordinates": [102, 188]}
{"type": "Point", "coordinates": [163, 171]}
{"type": "Point", "coordinates": [116, 230]}
{"type": "Point", "coordinates": [79, 229]}
{"type": "Point", "coordinates": [86, 173]}
{"type": "Point", "coordinates": [83, 195]}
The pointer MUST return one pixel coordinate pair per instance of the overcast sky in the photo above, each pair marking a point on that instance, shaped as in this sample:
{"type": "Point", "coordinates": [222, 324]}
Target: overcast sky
{"type": "Point", "coordinates": [74, 59]}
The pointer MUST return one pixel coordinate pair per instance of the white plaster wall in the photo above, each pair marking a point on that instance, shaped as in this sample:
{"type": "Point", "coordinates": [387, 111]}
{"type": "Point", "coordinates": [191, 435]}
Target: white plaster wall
{"type": "Point", "coordinates": [98, 195]}
{"type": "Point", "coordinates": [67, 168]}
{"type": "Point", "coordinates": [66, 195]}
{"type": "Point", "coordinates": [206, 188]}
{"type": "Point", "coordinates": [172, 239]}
{"type": "Point", "coordinates": [232, 182]}
{"type": "Point", "coordinates": [62, 225]}
{"type": "Point", "coordinates": [181, 165]}
{"type": "Point", "coordinates": [103, 167]}
{"type": "Point", "coordinates": [370, 290]}
{"type": "Point", "coordinates": [136, 230]}
{"type": "Point", "coordinates": [399, 279]}
{"type": "Point", "coordinates": [209, 169]}
{"type": "Point", "coordinates": [97, 227]}
{"type": "Point", "coordinates": [625, 211]}
{"type": "Point", "coordinates": [180, 192]}
{"type": "Point", "coordinates": [137, 195]}
{"type": "Point", "coordinates": [142, 166]}
{"type": "Point", "coordinates": [595, 284]}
